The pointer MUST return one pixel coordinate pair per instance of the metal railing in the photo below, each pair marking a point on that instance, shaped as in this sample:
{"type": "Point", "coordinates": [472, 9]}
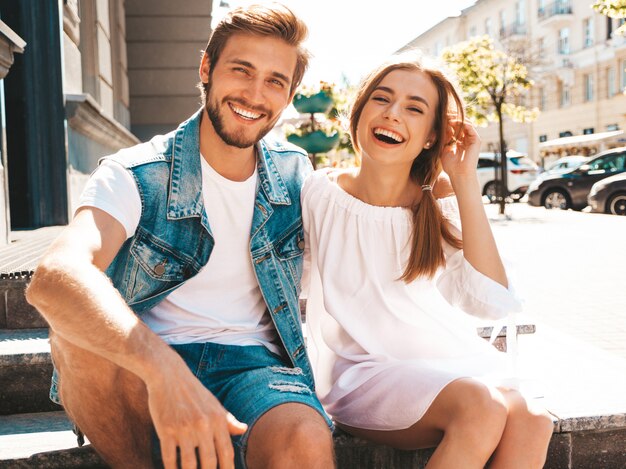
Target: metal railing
{"type": "Point", "coordinates": [514, 29]}
{"type": "Point", "coordinates": [556, 8]}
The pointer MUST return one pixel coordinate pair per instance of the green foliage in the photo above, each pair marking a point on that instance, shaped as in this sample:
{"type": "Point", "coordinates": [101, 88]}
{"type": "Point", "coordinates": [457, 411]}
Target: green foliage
{"type": "Point", "coordinates": [612, 9]}
{"type": "Point", "coordinates": [490, 80]}
{"type": "Point", "coordinates": [332, 122]}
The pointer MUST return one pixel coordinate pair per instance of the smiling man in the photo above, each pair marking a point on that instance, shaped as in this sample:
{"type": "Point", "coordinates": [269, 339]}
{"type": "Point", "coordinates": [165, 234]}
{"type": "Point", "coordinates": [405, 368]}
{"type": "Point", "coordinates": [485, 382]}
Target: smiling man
{"type": "Point", "coordinates": [172, 297]}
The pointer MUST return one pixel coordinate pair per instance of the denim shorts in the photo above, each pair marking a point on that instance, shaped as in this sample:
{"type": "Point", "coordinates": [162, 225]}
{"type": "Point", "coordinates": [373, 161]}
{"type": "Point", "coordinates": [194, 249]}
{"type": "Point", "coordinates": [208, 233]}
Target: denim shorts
{"type": "Point", "coordinates": [248, 381]}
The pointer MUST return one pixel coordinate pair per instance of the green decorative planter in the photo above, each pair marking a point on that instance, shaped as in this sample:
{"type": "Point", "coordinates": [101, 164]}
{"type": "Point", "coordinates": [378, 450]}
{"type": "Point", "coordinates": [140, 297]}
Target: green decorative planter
{"type": "Point", "coordinates": [319, 102]}
{"type": "Point", "coordinates": [315, 142]}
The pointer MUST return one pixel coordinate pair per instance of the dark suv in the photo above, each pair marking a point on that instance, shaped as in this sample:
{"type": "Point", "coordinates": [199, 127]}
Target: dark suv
{"type": "Point", "coordinates": [570, 189]}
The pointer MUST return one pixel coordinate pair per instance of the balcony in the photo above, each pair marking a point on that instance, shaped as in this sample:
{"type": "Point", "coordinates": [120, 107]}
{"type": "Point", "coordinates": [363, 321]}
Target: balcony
{"type": "Point", "coordinates": [556, 14]}
{"type": "Point", "coordinates": [617, 42]}
{"type": "Point", "coordinates": [513, 31]}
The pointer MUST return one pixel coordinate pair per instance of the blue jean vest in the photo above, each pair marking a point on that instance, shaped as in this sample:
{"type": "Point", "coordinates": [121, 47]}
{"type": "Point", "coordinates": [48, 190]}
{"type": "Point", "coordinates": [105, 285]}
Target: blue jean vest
{"type": "Point", "coordinates": [173, 240]}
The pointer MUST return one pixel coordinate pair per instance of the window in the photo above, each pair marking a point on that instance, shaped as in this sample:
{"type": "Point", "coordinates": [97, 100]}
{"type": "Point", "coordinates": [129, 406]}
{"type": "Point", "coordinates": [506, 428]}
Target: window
{"type": "Point", "coordinates": [488, 26]}
{"type": "Point", "coordinates": [564, 41]}
{"type": "Point", "coordinates": [608, 163]}
{"type": "Point", "coordinates": [563, 7]}
{"type": "Point", "coordinates": [520, 14]}
{"type": "Point", "coordinates": [542, 99]}
{"type": "Point", "coordinates": [622, 71]}
{"type": "Point", "coordinates": [612, 127]}
{"type": "Point", "coordinates": [588, 81]}
{"type": "Point", "coordinates": [588, 131]}
{"type": "Point", "coordinates": [541, 47]}
{"type": "Point", "coordinates": [610, 82]}
{"type": "Point", "coordinates": [502, 17]}
{"type": "Point", "coordinates": [486, 163]}
{"type": "Point", "coordinates": [564, 95]}
{"type": "Point", "coordinates": [566, 133]}
{"type": "Point", "coordinates": [437, 49]}
{"type": "Point", "coordinates": [588, 32]}
{"type": "Point", "coordinates": [543, 138]}
{"type": "Point", "coordinates": [541, 7]}
{"type": "Point", "coordinates": [472, 31]}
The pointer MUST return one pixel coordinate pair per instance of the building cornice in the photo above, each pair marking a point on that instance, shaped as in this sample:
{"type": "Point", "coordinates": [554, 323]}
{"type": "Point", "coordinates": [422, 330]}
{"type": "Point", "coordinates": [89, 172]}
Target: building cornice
{"type": "Point", "coordinates": [85, 115]}
{"type": "Point", "coordinates": [10, 43]}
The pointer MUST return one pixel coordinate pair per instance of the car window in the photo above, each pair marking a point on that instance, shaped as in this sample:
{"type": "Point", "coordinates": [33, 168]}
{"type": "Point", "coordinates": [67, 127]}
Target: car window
{"type": "Point", "coordinates": [608, 163]}
{"type": "Point", "coordinates": [485, 163]}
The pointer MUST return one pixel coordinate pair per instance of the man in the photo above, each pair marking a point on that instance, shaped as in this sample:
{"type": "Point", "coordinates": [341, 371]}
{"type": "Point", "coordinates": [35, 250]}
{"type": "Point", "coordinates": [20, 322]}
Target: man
{"type": "Point", "coordinates": [172, 296]}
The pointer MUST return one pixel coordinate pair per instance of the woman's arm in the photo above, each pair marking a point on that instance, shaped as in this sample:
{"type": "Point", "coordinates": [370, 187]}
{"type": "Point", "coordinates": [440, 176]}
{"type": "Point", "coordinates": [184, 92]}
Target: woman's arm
{"type": "Point", "coordinates": [459, 161]}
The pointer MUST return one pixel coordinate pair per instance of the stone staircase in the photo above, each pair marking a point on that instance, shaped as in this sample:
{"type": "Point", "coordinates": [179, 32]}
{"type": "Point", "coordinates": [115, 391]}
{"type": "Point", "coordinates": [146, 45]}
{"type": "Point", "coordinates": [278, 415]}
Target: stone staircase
{"type": "Point", "coordinates": [584, 388]}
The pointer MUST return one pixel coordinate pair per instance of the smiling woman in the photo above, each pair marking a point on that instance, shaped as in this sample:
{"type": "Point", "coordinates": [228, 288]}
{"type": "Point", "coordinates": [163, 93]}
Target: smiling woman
{"type": "Point", "coordinates": [394, 362]}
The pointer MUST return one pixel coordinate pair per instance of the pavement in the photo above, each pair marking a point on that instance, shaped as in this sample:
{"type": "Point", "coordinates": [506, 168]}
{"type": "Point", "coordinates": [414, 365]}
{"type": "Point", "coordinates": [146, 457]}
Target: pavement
{"type": "Point", "coordinates": [570, 268]}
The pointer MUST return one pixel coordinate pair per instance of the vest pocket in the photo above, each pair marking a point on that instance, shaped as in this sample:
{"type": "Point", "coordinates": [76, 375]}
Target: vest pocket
{"type": "Point", "coordinates": [291, 244]}
{"type": "Point", "coordinates": [157, 268]}
{"type": "Point", "coordinates": [289, 250]}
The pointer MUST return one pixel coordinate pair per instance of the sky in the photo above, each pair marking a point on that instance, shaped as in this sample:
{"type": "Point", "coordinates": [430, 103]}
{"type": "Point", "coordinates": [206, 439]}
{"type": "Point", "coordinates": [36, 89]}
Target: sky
{"type": "Point", "coordinates": [348, 38]}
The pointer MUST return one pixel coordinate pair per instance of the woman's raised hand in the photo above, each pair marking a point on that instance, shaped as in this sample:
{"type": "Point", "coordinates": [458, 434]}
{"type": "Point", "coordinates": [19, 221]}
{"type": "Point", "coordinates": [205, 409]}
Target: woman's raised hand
{"type": "Point", "coordinates": [460, 155]}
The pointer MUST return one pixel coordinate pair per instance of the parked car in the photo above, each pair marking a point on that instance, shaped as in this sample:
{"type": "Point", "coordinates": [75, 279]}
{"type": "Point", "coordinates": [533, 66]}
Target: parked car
{"type": "Point", "coordinates": [609, 195]}
{"type": "Point", "coordinates": [521, 171]}
{"type": "Point", "coordinates": [570, 189]}
{"type": "Point", "coordinates": [565, 164]}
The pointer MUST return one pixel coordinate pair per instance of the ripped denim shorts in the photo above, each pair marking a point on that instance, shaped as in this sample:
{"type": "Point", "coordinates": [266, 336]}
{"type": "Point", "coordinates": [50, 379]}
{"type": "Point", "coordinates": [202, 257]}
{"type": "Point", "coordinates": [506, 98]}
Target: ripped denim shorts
{"type": "Point", "coordinates": [248, 381]}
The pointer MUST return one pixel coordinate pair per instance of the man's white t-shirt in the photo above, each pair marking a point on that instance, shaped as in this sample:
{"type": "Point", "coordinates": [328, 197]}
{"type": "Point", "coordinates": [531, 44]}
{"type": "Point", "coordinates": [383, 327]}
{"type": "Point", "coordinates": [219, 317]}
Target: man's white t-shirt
{"type": "Point", "coordinates": [223, 302]}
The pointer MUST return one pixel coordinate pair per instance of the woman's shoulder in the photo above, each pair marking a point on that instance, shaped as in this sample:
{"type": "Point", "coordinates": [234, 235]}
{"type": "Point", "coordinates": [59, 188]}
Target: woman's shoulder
{"type": "Point", "coordinates": [322, 179]}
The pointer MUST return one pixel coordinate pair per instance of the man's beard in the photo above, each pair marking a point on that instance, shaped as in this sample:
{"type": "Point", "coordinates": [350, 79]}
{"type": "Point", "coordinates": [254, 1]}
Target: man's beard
{"type": "Point", "coordinates": [236, 138]}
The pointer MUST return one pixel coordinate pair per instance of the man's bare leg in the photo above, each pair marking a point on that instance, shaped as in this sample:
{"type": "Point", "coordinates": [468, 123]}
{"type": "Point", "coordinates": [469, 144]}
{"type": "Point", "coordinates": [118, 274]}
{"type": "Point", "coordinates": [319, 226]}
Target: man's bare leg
{"type": "Point", "coordinates": [290, 435]}
{"type": "Point", "coordinates": [107, 403]}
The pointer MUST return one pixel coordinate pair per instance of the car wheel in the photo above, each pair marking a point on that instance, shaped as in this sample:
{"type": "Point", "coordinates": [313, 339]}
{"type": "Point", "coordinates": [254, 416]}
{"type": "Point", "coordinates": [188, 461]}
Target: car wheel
{"type": "Point", "coordinates": [556, 199]}
{"type": "Point", "coordinates": [617, 204]}
{"type": "Point", "coordinates": [491, 191]}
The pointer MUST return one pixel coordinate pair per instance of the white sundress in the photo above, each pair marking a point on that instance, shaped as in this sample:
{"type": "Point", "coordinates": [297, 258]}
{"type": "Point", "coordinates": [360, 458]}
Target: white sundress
{"type": "Point", "coordinates": [382, 349]}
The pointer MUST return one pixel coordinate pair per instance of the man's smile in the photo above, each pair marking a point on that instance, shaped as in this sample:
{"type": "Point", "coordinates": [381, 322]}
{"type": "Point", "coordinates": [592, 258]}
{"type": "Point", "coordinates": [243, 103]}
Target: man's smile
{"type": "Point", "coordinates": [246, 114]}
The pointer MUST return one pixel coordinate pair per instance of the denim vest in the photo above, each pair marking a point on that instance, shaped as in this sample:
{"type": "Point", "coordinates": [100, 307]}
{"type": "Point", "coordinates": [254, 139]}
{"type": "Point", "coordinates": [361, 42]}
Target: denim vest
{"type": "Point", "coordinates": [173, 240]}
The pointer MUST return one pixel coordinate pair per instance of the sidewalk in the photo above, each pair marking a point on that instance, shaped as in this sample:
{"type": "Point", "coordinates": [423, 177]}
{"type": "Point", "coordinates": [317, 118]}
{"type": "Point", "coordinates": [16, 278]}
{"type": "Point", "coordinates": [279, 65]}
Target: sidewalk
{"type": "Point", "coordinates": [570, 267]}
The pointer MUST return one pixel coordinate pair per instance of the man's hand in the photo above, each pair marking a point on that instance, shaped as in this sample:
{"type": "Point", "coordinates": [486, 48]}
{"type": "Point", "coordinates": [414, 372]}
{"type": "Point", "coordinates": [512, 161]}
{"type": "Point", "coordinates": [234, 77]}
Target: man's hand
{"type": "Point", "coordinates": [187, 416]}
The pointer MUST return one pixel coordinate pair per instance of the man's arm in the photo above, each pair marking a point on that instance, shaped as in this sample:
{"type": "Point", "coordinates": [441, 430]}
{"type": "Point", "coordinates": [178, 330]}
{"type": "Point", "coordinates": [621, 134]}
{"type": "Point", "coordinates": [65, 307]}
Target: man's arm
{"type": "Point", "coordinates": [81, 305]}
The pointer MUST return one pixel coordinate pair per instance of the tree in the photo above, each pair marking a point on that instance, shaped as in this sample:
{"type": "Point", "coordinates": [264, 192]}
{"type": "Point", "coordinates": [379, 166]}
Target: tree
{"type": "Point", "coordinates": [612, 9]}
{"type": "Point", "coordinates": [493, 83]}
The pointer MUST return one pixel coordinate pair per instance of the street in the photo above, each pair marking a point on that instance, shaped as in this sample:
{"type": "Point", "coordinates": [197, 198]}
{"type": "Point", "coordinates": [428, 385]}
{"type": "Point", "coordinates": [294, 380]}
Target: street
{"type": "Point", "coordinates": [570, 267]}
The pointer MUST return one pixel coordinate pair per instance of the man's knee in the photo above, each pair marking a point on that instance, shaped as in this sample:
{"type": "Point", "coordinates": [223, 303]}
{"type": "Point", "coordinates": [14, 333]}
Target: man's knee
{"type": "Point", "coordinates": [107, 403]}
{"type": "Point", "coordinates": [309, 436]}
{"type": "Point", "coordinates": [291, 433]}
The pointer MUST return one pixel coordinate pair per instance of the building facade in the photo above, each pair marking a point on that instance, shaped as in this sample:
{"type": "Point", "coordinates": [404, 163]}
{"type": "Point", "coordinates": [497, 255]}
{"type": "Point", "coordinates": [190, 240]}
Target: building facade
{"type": "Point", "coordinates": [577, 63]}
{"type": "Point", "coordinates": [95, 76]}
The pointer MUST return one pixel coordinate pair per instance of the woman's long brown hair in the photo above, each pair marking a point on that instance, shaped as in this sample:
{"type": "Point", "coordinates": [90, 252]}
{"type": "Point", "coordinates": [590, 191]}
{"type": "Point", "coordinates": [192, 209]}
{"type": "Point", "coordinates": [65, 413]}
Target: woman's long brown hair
{"type": "Point", "coordinates": [429, 227]}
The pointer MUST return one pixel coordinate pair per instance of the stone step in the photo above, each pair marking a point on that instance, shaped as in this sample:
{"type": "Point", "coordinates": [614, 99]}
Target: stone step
{"type": "Point", "coordinates": [17, 264]}
{"type": "Point", "coordinates": [15, 312]}
{"type": "Point", "coordinates": [25, 371]}
{"type": "Point", "coordinates": [45, 440]}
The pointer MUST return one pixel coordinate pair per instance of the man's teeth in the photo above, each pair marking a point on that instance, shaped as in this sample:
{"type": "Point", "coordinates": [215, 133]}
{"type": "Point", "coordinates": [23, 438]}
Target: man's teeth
{"type": "Point", "coordinates": [246, 114]}
{"type": "Point", "coordinates": [389, 134]}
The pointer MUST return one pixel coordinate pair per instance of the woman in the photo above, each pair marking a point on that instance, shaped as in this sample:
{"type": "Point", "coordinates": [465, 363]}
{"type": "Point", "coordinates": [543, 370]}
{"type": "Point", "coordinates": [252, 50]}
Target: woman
{"type": "Point", "coordinates": [394, 362]}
